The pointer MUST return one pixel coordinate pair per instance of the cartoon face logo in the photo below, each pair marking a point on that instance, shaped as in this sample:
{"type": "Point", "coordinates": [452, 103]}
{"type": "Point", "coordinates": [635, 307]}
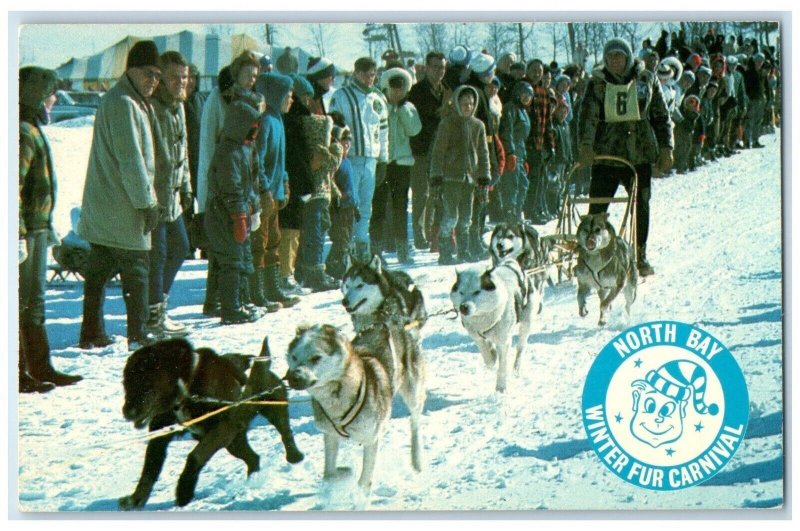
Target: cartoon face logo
{"type": "Point", "coordinates": [657, 419]}
{"type": "Point", "coordinates": [660, 401]}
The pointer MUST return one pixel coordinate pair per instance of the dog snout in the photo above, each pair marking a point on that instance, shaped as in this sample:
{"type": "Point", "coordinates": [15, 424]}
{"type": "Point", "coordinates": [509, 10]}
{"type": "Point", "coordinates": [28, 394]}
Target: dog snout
{"type": "Point", "coordinates": [299, 379]}
{"type": "Point", "coordinates": [464, 309]}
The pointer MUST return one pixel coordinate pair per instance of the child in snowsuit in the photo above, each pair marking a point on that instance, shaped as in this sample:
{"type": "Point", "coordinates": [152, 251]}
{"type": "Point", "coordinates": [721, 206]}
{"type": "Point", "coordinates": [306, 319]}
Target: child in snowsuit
{"type": "Point", "coordinates": [230, 208]}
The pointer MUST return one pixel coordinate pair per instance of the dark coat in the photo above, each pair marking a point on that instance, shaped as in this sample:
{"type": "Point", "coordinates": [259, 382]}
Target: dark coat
{"type": "Point", "coordinates": [638, 141]}
{"type": "Point", "coordinates": [429, 107]}
{"type": "Point", "coordinates": [231, 179]}
{"type": "Point", "coordinates": [298, 165]}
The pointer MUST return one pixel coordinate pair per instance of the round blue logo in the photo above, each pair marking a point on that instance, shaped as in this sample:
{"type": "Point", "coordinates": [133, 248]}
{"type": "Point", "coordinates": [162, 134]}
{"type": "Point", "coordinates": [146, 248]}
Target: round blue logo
{"type": "Point", "coordinates": [665, 405]}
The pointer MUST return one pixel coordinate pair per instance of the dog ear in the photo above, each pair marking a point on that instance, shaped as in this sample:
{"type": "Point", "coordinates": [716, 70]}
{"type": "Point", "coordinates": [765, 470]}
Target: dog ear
{"type": "Point", "coordinates": [265, 352]}
{"type": "Point", "coordinates": [604, 216]}
{"type": "Point", "coordinates": [302, 328]}
{"type": "Point", "coordinates": [375, 263]}
{"type": "Point", "coordinates": [486, 281]}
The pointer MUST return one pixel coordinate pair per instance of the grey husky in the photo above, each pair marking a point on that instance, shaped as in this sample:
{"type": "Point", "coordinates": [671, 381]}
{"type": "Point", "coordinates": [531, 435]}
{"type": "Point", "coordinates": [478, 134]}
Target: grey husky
{"type": "Point", "coordinates": [491, 303]}
{"type": "Point", "coordinates": [350, 384]}
{"type": "Point", "coordinates": [605, 263]}
{"type": "Point", "coordinates": [377, 298]}
{"type": "Point", "coordinates": [521, 242]}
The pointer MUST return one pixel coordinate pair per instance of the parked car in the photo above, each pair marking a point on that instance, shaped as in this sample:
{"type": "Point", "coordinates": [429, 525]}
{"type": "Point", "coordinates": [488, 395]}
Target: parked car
{"type": "Point", "coordinates": [87, 98]}
{"type": "Point", "coordinates": [66, 108]}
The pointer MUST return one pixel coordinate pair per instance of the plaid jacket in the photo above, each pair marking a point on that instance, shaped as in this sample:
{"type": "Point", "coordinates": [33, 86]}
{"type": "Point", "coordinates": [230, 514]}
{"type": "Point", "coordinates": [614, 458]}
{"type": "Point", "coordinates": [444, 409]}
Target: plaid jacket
{"type": "Point", "coordinates": [541, 135]}
{"type": "Point", "coordinates": [37, 182]}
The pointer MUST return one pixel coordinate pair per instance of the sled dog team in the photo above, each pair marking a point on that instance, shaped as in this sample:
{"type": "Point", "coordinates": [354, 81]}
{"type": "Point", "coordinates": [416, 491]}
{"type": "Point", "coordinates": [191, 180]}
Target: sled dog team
{"type": "Point", "coordinates": [352, 382]}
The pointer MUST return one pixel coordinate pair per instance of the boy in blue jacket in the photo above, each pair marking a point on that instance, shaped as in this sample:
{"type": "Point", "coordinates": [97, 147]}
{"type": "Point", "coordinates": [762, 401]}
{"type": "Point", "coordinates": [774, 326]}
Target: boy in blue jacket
{"type": "Point", "coordinates": [273, 192]}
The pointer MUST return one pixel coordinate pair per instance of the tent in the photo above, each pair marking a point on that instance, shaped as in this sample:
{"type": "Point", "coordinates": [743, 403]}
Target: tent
{"type": "Point", "coordinates": [208, 52]}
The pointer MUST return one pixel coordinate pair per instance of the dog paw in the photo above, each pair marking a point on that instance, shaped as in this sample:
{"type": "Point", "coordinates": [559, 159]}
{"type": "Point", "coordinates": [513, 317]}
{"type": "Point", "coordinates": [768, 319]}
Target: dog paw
{"type": "Point", "coordinates": [583, 312]}
{"type": "Point", "coordinates": [342, 472]}
{"type": "Point", "coordinates": [128, 503]}
{"type": "Point", "coordinates": [602, 321]}
{"type": "Point", "coordinates": [294, 456]}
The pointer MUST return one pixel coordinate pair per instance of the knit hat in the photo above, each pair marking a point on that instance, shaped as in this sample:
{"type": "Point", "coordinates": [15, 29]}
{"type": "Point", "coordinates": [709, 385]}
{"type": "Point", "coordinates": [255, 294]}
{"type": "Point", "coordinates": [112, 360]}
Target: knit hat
{"type": "Point", "coordinates": [265, 61]}
{"type": "Point", "coordinates": [35, 85]}
{"type": "Point", "coordinates": [692, 100]}
{"type": "Point", "coordinates": [758, 56]}
{"type": "Point", "coordinates": [274, 87]}
{"type": "Point", "coordinates": [688, 74]}
{"type": "Point", "coordinates": [619, 45]}
{"type": "Point", "coordinates": [694, 61]}
{"type": "Point", "coordinates": [482, 64]}
{"type": "Point", "coordinates": [143, 53]}
{"type": "Point", "coordinates": [680, 379]}
{"type": "Point", "coordinates": [301, 86]}
{"type": "Point", "coordinates": [319, 68]}
{"type": "Point", "coordinates": [460, 55]}
{"type": "Point", "coordinates": [705, 70]}
{"type": "Point", "coordinates": [518, 66]}
{"type": "Point", "coordinates": [732, 60]}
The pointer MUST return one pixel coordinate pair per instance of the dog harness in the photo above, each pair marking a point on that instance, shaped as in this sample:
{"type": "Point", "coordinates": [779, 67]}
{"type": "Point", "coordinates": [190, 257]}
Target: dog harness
{"type": "Point", "coordinates": [596, 274]}
{"type": "Point", "coordinates": [351, 413]}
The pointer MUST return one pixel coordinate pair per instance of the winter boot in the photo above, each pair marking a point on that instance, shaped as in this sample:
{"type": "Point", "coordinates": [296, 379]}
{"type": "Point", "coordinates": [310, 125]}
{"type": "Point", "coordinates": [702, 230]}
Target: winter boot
{"type": "Point", "coordinates": [421, 243]}
{"type": "Point", "coordinates": [318, 280]}
{"type": "Point", "coordinates": [644, 267]}
{"type": "Point", "coordinates": [403, 254]}
{"type": "Point", "coordinates": [37, 357]}
{"type": "Point", "coordinates": [169, 325]}
{"type": "Point", "coordinates": [462, 247]}
{"type": "Point", "coordinates": [272, 290]}
{"type": "Point", "coordinates": [29, 384]}
{"type": "Point", "coordinates": [475, 246]}
{"type": "Point", "coordinates": [255, 285]}
{"type": "Point", "coordinates": [446, 251]}
{"type": "Point", "coordinates": [157, 323]}
{"type": "Point", "coordinates": [290, 286]}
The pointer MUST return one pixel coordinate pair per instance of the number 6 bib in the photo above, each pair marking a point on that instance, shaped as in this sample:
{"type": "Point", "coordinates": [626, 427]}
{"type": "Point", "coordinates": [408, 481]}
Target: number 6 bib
{"type": "Point", "coordinates": [621, 103]}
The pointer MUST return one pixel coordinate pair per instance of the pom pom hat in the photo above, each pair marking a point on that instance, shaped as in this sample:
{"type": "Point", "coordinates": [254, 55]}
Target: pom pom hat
{"type": "Point", "coordinates": [460, 55]}
{"type": "Point", "coordinates": [319, 68]}
{"type": "Point", "coordinates": [681, 379]}
{"type": "Point", "coordinates": [483, 64]}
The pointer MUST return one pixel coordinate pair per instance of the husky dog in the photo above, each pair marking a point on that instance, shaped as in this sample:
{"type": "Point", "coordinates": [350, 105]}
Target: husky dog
{"type": "Point", "coordinates": [351, 389]}
{"type": "Point", "coordinates": [170, 381]}
{"type": "Point", "coordinates": [521, 242]}
{"type": "Point", "coordinates": [375, 298]}
{"type": "Point", "coordinates": [605, 263]}
{"type": "Point", "coordinates": [491, 302]}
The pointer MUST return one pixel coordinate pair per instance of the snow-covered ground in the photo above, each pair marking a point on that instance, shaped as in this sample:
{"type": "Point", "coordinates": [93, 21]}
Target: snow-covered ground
{"type": "Point", "coordinates": [715, 243]}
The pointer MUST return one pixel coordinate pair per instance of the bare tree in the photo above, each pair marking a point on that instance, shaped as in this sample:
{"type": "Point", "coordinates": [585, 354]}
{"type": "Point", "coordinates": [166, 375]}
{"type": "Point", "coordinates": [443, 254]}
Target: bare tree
{"type": "Point", "coordinates": [501, 37]}
{"type": "Point", "coordinates": [322, 35]}
{"type": "Point", "coordinates": [431, 37]}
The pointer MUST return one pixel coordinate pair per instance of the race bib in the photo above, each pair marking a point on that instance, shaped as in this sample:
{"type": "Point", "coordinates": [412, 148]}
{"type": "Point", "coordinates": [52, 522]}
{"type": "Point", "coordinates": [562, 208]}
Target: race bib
{"type": "Point", "coordinates": [621, 103]}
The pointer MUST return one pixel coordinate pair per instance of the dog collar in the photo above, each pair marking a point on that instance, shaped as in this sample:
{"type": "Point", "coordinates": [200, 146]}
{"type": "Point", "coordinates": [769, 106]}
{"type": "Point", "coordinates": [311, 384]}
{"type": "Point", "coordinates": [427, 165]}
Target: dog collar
{"type": "Point", "coordinates": [351, 414]}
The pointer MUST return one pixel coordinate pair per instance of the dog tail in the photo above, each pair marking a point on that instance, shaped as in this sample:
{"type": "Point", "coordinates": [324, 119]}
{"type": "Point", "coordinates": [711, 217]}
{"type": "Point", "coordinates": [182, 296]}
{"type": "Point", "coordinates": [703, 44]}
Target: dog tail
{"type": "Point", "coordinates": [265, 357]}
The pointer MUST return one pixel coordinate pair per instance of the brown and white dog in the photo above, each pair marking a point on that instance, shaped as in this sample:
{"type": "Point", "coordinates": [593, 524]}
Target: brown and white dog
{"type": "Point", "coordinates": [351, 386]}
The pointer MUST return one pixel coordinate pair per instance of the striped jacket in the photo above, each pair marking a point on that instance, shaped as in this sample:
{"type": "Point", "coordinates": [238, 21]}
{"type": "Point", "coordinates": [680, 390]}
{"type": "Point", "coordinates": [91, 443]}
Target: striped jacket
{"type": "Point", "coordinates": [367, 116]}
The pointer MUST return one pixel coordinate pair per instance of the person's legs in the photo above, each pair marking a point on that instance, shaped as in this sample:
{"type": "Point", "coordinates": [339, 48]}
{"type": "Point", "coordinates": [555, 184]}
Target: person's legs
{"type": "Point", "coordinates": [419, 199]}
{"type": "Point", "coordinates": [363, 190]}
{"type": "Point", "coordinates": [604, 183]}
{"type": "Point", "coordinates": [177, 250]}
{"type": "Point", "coordinates": [134, 270]}
{"type": "Point", "coordinates": [157, 267]}
{"type": "Point", "coordinates": [99, 268]}
{"type": "Point", "coordinates": [399, 178]}
{"type": "Point", "coordinates": [377, 224]}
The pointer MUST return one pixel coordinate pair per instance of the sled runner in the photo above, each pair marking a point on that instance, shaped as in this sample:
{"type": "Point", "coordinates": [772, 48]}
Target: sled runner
{"type": "Point", "coordinates": [563, 249]}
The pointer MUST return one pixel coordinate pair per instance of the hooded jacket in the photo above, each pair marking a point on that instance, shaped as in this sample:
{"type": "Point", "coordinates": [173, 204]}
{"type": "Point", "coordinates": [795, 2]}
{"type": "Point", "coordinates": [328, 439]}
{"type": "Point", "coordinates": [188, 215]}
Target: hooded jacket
{"type": "Point", "coordinates": [37, 179]}
{"type": "Point", "coordinates": [612, 124]}
{"type": "Point", "coordinates": [119, 179]}
{"type": "Point", "coordinates": [271, 150]}
{"type": "Point", "coordinates": [404, 122]}
{"type": "Point", "coordinates": [460, 152]}
{"type": "Point", "coordinates": [231, 175]}
{"type": "Point", "coordinates": [172, 153]}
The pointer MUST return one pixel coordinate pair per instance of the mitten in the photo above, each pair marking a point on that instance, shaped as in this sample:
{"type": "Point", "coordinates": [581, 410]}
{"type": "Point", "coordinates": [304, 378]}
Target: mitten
{"type": "Point", "coordinates": [511, 162]}
{"type": "Point", "coordinates": [239, 226]}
